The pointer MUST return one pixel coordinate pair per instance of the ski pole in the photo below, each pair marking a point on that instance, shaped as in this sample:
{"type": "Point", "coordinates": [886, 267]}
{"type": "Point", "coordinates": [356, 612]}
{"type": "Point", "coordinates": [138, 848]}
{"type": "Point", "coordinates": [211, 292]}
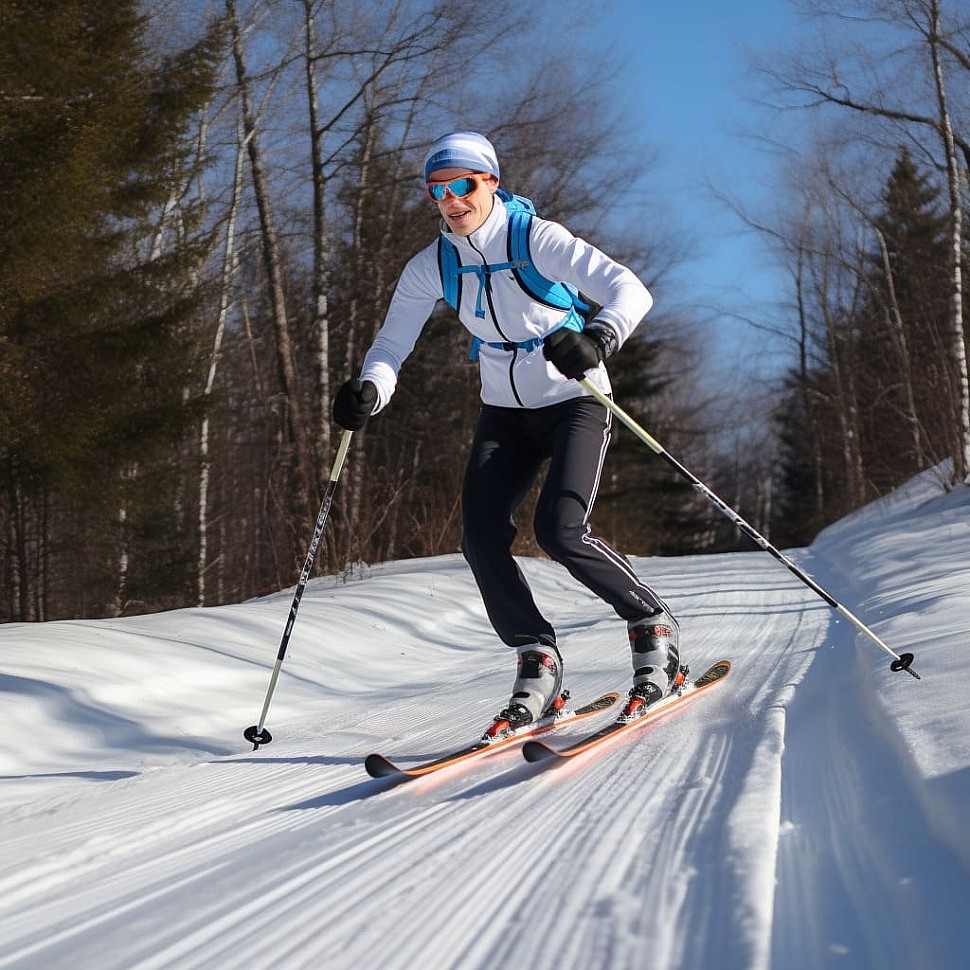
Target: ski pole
{"type": "Point", "coordinates": [900, 661]}
{"type": "Point", "coordinates": [257, 733]}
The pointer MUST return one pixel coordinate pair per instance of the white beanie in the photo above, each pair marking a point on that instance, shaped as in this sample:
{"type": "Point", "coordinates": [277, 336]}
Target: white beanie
{"type": "Point", "coordinates": [463, 149]}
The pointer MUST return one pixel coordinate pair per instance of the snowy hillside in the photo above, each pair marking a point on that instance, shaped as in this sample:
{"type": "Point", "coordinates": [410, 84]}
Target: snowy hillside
{"type": "Point", "coordinates": [806, 814]}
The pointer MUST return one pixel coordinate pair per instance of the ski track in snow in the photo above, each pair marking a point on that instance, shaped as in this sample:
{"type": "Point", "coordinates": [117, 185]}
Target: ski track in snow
{"type": "Point", "coordinates": [762, 824]}
{"type": "Point", "coordinates": [848, 825]}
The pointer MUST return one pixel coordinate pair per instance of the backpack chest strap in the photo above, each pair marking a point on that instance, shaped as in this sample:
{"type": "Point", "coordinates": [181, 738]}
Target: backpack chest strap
{"type": "Point", "coordinates": [483, 272]}
{"type": "Point", "coordinates": [572, 321]}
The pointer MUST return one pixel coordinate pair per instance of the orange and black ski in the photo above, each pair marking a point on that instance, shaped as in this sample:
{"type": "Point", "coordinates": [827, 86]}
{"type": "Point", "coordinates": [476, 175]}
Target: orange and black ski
{"type": "Point", "coordinates": [378, 766]}
{"type": "Point", "coordinates": [538, 751]}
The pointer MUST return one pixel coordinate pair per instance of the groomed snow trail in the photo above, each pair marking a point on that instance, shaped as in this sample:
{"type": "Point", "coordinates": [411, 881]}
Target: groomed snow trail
{"type": "Point", "coordinates": [748, 829]}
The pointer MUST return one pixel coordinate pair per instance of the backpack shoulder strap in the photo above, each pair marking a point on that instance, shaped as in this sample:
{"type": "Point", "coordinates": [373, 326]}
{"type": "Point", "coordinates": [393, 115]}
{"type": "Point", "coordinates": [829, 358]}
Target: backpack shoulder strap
{"type": "Point", "coordinates": [448, 264]}
{"type": "Point", "coordinates": [541, 290]}
{"type": "Point", "coordinates": [516, 203]}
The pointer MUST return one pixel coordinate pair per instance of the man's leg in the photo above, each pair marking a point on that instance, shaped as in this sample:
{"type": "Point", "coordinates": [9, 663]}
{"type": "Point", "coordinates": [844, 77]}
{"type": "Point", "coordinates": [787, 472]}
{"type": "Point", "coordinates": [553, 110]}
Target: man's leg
{"type": "Point", "coordinates": [579, 436]}
{"type": "Point", "coordinates": [501, 468]}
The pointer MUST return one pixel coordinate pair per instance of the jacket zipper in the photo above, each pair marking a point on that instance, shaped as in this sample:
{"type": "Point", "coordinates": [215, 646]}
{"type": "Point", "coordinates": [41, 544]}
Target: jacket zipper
{"type": "Point", "coordinates": [502, 334]}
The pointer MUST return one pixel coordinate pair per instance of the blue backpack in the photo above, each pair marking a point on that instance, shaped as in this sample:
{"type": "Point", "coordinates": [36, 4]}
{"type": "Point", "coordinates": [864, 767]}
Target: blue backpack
{"type": "Point", "coordinates": [562, 296]}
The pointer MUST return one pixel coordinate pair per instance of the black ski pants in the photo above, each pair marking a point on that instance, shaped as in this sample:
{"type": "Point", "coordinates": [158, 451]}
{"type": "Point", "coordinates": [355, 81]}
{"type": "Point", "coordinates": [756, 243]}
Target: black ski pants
{"type": "Point", "coordinates": [509, 449]}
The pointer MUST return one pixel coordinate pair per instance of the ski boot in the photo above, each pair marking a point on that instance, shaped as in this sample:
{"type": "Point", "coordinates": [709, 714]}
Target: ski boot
{"type": "Point", "coordinates": [536, 693]}
{"type": "Point", "coordinates": [654, 644]}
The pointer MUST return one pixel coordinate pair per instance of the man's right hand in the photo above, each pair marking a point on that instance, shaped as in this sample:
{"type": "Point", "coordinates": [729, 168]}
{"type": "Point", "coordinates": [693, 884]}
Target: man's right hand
{"type": "Point", "coordinates": [354, 404]}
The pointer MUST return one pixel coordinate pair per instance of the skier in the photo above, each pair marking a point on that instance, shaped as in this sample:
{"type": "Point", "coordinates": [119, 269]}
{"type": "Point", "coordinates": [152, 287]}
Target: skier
{"type": "Point", "coordinates": [531, 356]}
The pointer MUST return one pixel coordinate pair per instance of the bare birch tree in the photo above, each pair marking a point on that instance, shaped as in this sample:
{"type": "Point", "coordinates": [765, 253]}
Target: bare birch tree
{"type": "Point", "coordinates": [229, 263]}
{"type": "Point", "coordinates": [273, 266]}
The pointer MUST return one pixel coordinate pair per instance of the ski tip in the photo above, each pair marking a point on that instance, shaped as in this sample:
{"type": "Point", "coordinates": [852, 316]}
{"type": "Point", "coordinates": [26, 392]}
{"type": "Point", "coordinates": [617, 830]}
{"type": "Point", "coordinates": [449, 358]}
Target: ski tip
{"type": "Point", "coordinates": [537, 751]}
{"type": "Point", "coordinates": [377, 766]}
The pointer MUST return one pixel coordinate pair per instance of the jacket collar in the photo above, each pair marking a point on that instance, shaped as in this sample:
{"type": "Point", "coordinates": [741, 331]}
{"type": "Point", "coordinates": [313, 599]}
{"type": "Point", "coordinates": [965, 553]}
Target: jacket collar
{"type": "Point", "coordinates": [493, 227]}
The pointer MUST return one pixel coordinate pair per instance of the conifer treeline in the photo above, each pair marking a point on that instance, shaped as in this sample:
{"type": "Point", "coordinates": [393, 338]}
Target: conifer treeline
{"type": "Point", "coordinates": [100, 294]}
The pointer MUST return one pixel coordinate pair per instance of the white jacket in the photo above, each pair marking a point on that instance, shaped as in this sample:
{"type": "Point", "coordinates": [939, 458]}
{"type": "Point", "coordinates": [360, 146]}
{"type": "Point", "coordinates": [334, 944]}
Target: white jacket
{"type": "Point", "coordinates": [516, 377]}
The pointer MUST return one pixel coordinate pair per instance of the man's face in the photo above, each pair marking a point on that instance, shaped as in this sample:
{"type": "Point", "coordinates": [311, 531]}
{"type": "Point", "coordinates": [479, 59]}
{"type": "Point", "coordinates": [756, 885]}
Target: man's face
{"type": "Point", "coordinates": [465, 214]}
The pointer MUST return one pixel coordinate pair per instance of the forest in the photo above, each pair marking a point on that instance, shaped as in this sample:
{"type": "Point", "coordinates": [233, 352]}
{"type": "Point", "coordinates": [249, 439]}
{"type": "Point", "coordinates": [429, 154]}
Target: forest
{"type": "Point", "coordinates": [204, 208]}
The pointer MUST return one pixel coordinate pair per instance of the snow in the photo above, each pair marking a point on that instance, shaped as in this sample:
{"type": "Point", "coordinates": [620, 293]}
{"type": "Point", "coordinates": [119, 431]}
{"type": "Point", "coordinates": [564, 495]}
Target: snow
{"type": "Point", "coordinates": [805, 814]}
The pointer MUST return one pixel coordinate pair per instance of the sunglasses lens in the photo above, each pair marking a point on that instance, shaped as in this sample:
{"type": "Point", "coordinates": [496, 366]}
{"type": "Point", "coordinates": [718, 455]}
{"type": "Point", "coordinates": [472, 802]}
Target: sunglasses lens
{"type": "Point", "coordinates": [458, 187]}
{"type": "Point", "coordinates": [462, 187]}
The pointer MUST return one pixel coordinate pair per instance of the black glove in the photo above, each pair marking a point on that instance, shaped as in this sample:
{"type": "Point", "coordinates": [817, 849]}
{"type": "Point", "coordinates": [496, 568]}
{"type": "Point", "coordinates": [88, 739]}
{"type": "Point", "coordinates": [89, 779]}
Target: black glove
{"type": "Point", "coordinates": [354, 404]}
{"type": "Point", "coordinates": [574, 352]}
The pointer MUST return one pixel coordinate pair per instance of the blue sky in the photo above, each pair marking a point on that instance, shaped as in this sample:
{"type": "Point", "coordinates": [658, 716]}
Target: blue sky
{"type": "Point", "coordinates": [686, 64]}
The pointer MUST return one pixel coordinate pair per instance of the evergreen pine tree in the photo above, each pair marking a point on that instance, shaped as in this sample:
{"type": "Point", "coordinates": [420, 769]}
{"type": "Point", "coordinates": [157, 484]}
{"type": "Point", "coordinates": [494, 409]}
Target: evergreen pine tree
{"type": "Point", "coordinates": [97, 299]}
{"type": "Point", "coordinates": [906, 384]}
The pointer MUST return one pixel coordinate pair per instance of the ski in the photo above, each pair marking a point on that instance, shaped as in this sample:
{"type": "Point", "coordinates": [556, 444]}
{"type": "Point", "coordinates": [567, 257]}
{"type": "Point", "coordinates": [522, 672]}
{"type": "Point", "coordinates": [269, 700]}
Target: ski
{"type": "Point", "coordinates": [538, 751]}
{"type": "Point", "coordinates": [378, 766]}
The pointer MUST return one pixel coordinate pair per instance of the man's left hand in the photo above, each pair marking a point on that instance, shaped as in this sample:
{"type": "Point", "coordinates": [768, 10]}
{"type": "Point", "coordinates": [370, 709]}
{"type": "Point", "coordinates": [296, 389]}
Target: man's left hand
{"type": "Point", "coordinates": [572, 352]}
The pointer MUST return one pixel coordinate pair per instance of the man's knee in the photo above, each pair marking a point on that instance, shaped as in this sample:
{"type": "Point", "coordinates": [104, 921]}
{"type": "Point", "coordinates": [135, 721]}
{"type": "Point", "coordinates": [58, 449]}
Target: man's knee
{"type": "Point", "coordinates": [558, 537]}
{"type": "Point", "coordinates": [478, 535]}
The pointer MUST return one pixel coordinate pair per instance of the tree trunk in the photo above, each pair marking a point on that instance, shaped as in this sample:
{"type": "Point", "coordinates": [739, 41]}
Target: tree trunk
{"type": "Point", "coordinates": [296, 431]}
{"type": "Point", "coordinates": [228, 273]}
{"type": "Point", "coordinates": [897, 328]}
{"type": "Point", "coordinates": [320, 283]}
{"type": "Point", "coordinates": [357, 341]}
{"type": "Point", "coordinates": [961, 458]}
